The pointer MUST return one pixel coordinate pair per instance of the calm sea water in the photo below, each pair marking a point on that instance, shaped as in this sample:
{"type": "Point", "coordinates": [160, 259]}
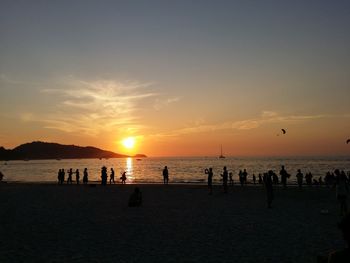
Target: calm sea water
{"type": "Point", "coordinates": [181, 170]}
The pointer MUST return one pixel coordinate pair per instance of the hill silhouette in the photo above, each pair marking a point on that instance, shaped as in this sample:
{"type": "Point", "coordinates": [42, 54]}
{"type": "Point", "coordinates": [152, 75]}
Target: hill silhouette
{"type": "Point", "coordinates": [44, 150]}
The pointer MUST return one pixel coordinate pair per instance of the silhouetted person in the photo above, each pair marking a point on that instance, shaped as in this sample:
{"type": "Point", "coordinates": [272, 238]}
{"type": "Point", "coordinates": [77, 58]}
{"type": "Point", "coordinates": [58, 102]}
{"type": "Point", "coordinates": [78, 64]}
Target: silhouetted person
{"type": "Point", "coordinates": [111, 178]}
{"type": "Point", "coordinates": [77, 175]}
{"type": "Point", "coordinates": [284, 176]}
{"type": "Point", "coordinates": [245, 175]}
{"type": "Point", "coordinates": [268, 186]}
{"type": "Point", "coordinates": [254, 179]}
{"type": "Point", "coordinates": [342, 256]}
{"type": "Point", "coordinates": [300, 177]}
{"type": "Point", "coordinates": [165, 175]}
{"type": "Point", "coordinates": [275, 179]}
{"type": "Point", "coordinates": [59, 175]}
{"type": "Point", "coordinates": [123, 177]}
{"type": "Point", "coordinates": [241, 177]}
{"type": "Point", "coordinates": [230, 177]}
{"type": "Point", "coordinates": [135, 198]}
{"type": "Point", "coordinates": [104, 175]}
{"type": "Point", "coordinates": [342, 189]}
{"type": "Point", "coordinates": [70, 173]}
{"type": "Point", "coordinates": [308, 179]}
{"type": "Point", "coordinates": [63, 176]}
{"type": "Point", "coordinates": [85, 176]}
{"type": "Point", "coordinates": [210, 174]}
{"type": "Point", "coordinates": [320, 181]}
{"type": "Point", "coordinates": [260, 179]}
{"type": "Point", "coordinates": [224, 176]}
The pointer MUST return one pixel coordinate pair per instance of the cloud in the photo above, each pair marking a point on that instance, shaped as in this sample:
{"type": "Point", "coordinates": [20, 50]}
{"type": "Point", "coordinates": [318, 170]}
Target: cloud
{"type": "Point", "coordinates": [266, 117]}
{"type": "Point", "coordinates": [90, 107]}
{"type": "Point", "coordinates": [9, 80]}
{"type": "Point", "coordinates": [159, 104]}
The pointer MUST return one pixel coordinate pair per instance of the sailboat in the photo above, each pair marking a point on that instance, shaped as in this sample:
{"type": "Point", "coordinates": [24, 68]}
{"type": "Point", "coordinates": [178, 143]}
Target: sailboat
{"type": "Point", "coordinates": [221, 156]}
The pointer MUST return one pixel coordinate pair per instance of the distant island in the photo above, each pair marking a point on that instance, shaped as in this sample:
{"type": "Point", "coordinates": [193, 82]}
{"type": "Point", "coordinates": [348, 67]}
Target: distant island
{"type": "Point", "coordinates": [45, 150]}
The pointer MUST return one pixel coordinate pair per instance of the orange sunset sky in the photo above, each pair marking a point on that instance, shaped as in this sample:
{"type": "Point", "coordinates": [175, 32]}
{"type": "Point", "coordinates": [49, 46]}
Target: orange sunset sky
{"type": "Point", "coordinates": [179, 78]}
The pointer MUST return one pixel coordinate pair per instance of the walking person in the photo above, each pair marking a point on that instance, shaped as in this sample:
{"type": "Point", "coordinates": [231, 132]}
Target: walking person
{"type": "Point", "coordinates": [210, 174]}
{"type": "Point", "coordinates": [166, 175]}
{"type": "Point", "coordinates": [123, 177]}
{"type": "Point", "coordinates": [70, 173]}
{"type": "Point", "coordinates": [230, 175]}
{"type": "Point", "coordinates": [224, 176]}
{"type": "Point", "coordinates": [111, 177]}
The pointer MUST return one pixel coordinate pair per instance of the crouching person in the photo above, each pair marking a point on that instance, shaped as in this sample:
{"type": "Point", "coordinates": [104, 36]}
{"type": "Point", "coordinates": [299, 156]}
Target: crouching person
{"type": "Point", "coordinates": [135, 198]}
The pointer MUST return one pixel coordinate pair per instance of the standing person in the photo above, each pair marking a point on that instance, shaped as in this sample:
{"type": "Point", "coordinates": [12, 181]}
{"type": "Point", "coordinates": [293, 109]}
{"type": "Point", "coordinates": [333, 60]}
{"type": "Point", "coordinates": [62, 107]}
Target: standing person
{"type": "Point", "coordinates": [85, 176]}
{"type": "Point", "coordinates": [123, 177]}
{"type": "Point", "coordinates": [260, 179]}
{"type": "Point", "coordinates": [342, 255]}
{"type": "Point", "coordinates": [300, 177]}
{"type": "Point", "coordinates": [77, 175]}
{"type": "Point", "coordinates": [268, 186]}
{"type": "Point", "coordinates": [284, 176]}
{"type": "Point", "coordinates": [59, 176]}
{"type": "Point", "coordinates": [224, 176]}
{"type": "Point", "coordinates": [254, 179]}
{"type": "Point", "coordinates": [241, 177]}
{"type": "Point", "coordinates": [111, 178]}
{"type": "Point", "coordinates": [165, 175]}
{"type": "Point", "coordinates": [308, 179]}
{"type": "Point", "coordinates": [341, 189]}
{"type": "Point", "coordinates": [63, 175]}
{"type": "Point", "coordinates": [104, 175]}
{"type": "Point", "coordinates": [245, 175]}
{"type": "Point", "coordinates": [70, 173]}
{"type": "Point", "coordinates": [210, 174]}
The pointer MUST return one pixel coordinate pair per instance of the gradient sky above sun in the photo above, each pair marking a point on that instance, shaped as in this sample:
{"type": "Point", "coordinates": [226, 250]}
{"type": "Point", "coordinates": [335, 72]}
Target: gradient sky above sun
{"type": "Point", "coordinates": [179, 77]}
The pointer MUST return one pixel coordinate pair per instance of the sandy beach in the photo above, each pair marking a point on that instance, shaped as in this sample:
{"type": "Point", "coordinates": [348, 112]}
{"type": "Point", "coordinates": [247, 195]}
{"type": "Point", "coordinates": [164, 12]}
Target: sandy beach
{"type": "Point", "coordinates": [176, 223]}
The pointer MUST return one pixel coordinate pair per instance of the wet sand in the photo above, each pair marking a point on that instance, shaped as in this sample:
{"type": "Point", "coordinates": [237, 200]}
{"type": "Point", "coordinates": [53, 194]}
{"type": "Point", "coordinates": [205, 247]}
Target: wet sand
{"type": "Point", "coordinates": [177, 223]}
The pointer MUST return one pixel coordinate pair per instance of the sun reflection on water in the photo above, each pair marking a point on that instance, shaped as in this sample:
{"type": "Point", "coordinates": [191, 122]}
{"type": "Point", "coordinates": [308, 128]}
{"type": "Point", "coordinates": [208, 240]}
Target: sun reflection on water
{"type": "Point", "coordinates": [129, 170]}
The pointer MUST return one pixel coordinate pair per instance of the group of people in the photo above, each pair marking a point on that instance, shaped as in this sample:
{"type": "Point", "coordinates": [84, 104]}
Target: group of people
{"type": "Point", "coordinates": [62, 174]}
{"type": "Point", "coordinates": [61, 177]}
{"type": "Point", "coordinates": [104, 176]}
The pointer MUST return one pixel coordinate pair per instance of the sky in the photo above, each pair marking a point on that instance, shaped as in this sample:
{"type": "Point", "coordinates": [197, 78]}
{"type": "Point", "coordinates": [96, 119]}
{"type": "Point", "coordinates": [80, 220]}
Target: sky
{"type": "Point", "coordinates": [180, 77]}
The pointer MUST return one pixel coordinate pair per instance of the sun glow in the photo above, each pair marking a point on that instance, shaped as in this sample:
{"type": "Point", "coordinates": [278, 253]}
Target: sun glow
{"type": "Point", "coordinates": [129, 143]}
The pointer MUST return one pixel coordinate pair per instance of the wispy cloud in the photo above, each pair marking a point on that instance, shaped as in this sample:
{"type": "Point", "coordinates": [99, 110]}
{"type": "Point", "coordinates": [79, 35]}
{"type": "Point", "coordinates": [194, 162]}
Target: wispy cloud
{"type": "Point", "coordinates": [90, 107]}
{"type": "Point", "coordinates": [14, 81]}
{"type": "Point", "coordinates": [159, 104]}
{"type": "Point", "coordinates": [266, 117]}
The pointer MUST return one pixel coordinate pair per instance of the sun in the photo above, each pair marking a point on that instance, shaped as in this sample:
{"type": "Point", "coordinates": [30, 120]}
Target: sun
{"type": "Point", "coordinates": [129, 142]}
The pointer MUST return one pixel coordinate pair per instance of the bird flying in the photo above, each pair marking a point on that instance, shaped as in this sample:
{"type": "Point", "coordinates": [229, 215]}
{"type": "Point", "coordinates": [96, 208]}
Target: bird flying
{"type": "Point", "coordinates": [283, 131]}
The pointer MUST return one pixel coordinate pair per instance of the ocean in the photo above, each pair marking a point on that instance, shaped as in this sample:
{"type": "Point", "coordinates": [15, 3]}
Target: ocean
{"type": "Point", "coordinates": [181, 169]}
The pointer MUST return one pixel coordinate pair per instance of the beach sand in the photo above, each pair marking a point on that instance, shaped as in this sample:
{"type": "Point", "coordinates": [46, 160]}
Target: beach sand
{"type": "Point", "coordinates": [176, 223]}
